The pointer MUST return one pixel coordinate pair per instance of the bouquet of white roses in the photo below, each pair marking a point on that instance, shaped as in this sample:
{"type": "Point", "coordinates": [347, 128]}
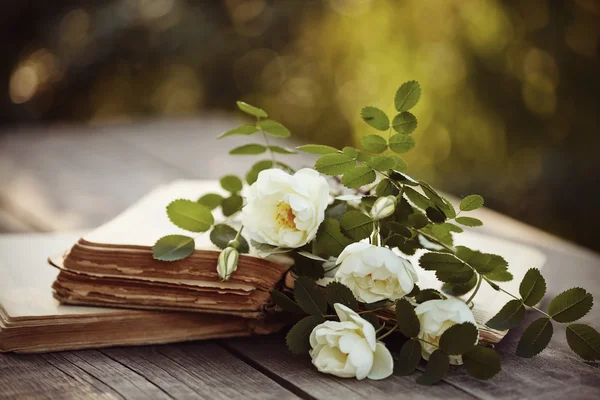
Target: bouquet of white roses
{"type": "Point", "coordinates": [353, 220]}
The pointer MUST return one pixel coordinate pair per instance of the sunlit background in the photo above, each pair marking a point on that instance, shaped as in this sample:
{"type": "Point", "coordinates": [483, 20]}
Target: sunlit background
{"type": "Point", "coordinates": [510, 106]}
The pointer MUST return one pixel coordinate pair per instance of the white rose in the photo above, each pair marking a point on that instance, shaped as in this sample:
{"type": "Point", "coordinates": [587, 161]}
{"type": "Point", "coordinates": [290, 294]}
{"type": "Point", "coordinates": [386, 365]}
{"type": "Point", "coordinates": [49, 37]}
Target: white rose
{"type": "Point", "coordinates": [349, 348]}
{"type": "Point", "coordinates": [285, 210]}
{"type": "Point", "coordinates": [436, 316]}
{"type": "Point", "coordinates": [375, 273]}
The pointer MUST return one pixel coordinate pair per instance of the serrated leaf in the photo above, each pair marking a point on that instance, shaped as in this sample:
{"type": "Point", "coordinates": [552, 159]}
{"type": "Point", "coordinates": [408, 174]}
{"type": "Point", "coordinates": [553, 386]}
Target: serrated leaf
{"type": "Point", "coordinates": [417, 220]}
{"type": "Point", "coordinates": [376, 118]}
{"type": "Point", "coordinates": [334, 164]}
{"type": "Point", "coordinates": [471, 202]}
{"type": "Point", "coordinates": [330, 240]}
{"type": "Point", "coordinates": [251, 110]}
{"type": "Point", "coordinates": [351, 152]}
{"type": "Point", "coordinates": [459, 339]}
{"type": "Point", "coordinates": [401, 165]}
{"type": "Point", "coordinates": [240, 130]}
{"type": "Point", "coordinates": [584, 341]}
{"type": "Point", "coordinates": [189, 215]}
{"type": "Point", "coordinates": [274, 128]}
{"type": "Point", "coordinates": [454, 228]}
{"type": "Point", "coordinates": [432, 195]}
{"type": "Point", "coordinates": [304, 266]}
{"type": "Point", "coordinates": [535, 338]}
{"type": "Point", "coordinates": [428, 294]}
{"type": "Point", "coordinates": [417, 198]}
{"type": "Point", "coordinates": [408, 359]}
{"type": "Point", "coordinates": [222, 234]}
{"type": "Point", "coordinates": [374, 143]}
{"type": "Point", "coordinates": [400, 143]}
{"type": "Point", "coordinates": [482, 262]}
{"type": "Point", "coordinates": [407, 96]}
{"type": "Point", "coordinates": [211, 200]}
{"type": "Point", "coordinates": [459, 289]}
{"type": "Point", "coordinates": [336, 292]}
{"type": "Point", "coordinates": [510, 316]}
{"type": "Point", "coordinates": [468, 221]}
{"type": "Point", "coordinates": [173, 248]}
{"type": "Point", "coordinates": [404, 123]}
{"type": "Point", "coordinates": [482, 362]}
{"type": "Point", "coordinates": [382, 163]}
{"type": "Point", "coordinates": [286, 303]}
{"type": "Point", "coordinates": [281, 150]}
{"type": "Point", "coordinates": [436, 369]}
{"type": "Point", "coordinates": [248, 149]}
{"type": "Point", "coordinates": [447, 267]}
{"type": "Point", "coordinates": [297, 339]}
{"type": "Point", "coordinates": [311, 256]}
{"type": "Point", "coordinates": [309, 297]}
{"type": "Point", "coordinates": [533, 287]}
{"type": "Point", "coordinates": [358, 176]}
{"type": "Point", "coordinates": [435, 215]}
{"type": "Point", "coordinates": [232, 204]}
{"type": "Point", "coordinates": [385, 187]}
{"type": "Point", "coordinates": [252, 175]}
{"type": "Point", "coordinates": [356, 225]}
{"type": "Point", "coordinates": [317, 149]}
{"type": "Point", "coordinates": [408, 323]}
{"type": "Point", "coordinates": [499, 274]}
{"type": "Point", "coordinates": [570, 305]}
{"type": "Point", "coordinates": [231, 183]}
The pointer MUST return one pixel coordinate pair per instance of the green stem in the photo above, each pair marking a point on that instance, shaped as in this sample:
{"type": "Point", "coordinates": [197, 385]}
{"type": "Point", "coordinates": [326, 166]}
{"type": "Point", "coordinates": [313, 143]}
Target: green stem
{"type": "Point", "coordinates": [493, 285]}
{"type": "Point", "coordinates": [479, 279]}
{"type": "Point", "coordinates": [239, 233]}
{"type": "Point", "coordinates": [425, 341]}
{"type": "Point", "coordinates": [388, 332]}
{"type": "Point", "coordinates": [267, 142]}
{"type": "Point", "coordinates": [375, 237]}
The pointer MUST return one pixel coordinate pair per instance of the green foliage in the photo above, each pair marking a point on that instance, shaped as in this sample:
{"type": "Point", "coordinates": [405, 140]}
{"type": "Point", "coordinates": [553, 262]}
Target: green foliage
{"type": "Point", "coordinates": [481, 262]}
{"type": "Point", "coordinates": [310, 268]}
{"type": "Point", "coordinates": [317, 149]}
{"type": "Point", "coordinates": [385, 187]}
{"type": "Point", "coordinates": [471, 202]}
{"type": "Point", "coordinates": [428, 294]}
{"type": "Point", "coordinates": [407, 96]}
{"type": "Point", "coordinates": [408, 323]}
{"type": "Point", "coordinates": [232, 204]}
{"type": "Point", "coordinates": [356, 225]}
{"type": "Point", "coordinates": [252, 174]}
{"type": "Point", "coordinates": [459, 289]}
{"type": "Point", "coordinates": [298, 337]}
{"type": "Point", "coordinates": [401, 165]}
{"type": "Point", "coordinates": [510, 316]}
{"type": "Point", "coordinates": [584, 341]}
{"type": "Point", "coordinates": [535, 338]}
{"type": "Point", "coordinates": [533, 287]}
{"type": "Point", "coordinates": [173, 248]}
{"type": "Point", "coordinates": [356, 177]}
{"type": "Point", "coordinates": [211, 200]}
{"type": "Point", "coordinates": [336, 292]}
{"type": "Point", "coordinates": [417, 220]}
{"type": "Point", "coordinates": [482, 362]}
{"type": "Point", "coordinates": [330, 241]}
{"type": "Point", "coordinates": [570, 305]}
{"type": "Point", "coordinates": [248, 149]}
{"type": "Point", "coordinates": [231, 183]}
{"type": "Point", "coordinates": [286, 303]}
{"type": "Point", "coordinates": [447, 267]}
{"type": "Point", "coordinates": [437, 368]}
{"type": "Point", "coordinates": [251, 110]}
{"type": "Point", "coordinates": [400, 143]}
{"type": "Point", "coordinates": [435, 215]}
{"type": "Point", "coordinates": [374, 143]}
{"type": "Point", "coordinates": [309, 297]}
{"type": "Point", "coordinates": [417, 198]}
{"type": "Point", "coordinates": [222, 234]}
{"type": "Point", "coordinates": [468, 221]}
{"type": "Point", "coordinates": [408, 359]}
{"type": "Point", "coordinates": [274, 128]}
{"type": "Point", "coordinates": [459, 338]}
{"type": "Point", "coordinates": [245, 130]}
{"type": "Point", "coordinates": [376, 118]}
{"type": "Point", "coordinates": [382, 163]}
{"type": "Point", "coordinates": [334, 164]}
{"type": "Point", "coordinates": [190, 215]}
{"type": "Point", "coordinates": [281, 150]}
{"type": "Point", "coordinates": [404, 123]}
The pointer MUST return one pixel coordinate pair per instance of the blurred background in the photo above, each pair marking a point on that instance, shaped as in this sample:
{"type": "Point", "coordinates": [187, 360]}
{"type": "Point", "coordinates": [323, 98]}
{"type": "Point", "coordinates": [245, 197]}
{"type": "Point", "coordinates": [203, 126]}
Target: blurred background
{"type": "Point", "coordinates": [510, 106]}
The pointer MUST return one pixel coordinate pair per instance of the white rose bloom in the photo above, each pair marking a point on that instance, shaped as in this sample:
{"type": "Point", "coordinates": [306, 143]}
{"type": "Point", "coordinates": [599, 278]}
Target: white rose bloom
{"type": "Point", "coordinates": [285, 210]}
{"type": "Point", "coordinates": [349, 348]}
{"type": "Point", "coordinates": [375, 273]}
{"type": "Point", "coordinates": [436, 316]}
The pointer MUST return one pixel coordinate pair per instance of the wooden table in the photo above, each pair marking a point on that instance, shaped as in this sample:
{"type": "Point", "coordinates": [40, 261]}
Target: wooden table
{"type": "Point", "coordinates": [63, 178]}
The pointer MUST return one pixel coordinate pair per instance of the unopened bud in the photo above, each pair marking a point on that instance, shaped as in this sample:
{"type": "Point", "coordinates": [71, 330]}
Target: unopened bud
{"type": "Point", "coordinates": [227, 263]}
{"type": "Point", "coordinates": [383, 207]}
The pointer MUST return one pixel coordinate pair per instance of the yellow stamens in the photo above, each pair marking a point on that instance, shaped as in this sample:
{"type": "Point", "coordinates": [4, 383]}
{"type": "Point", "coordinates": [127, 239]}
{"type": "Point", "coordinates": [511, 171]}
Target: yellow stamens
{"type": "Point", "coordinates": [285, 215]}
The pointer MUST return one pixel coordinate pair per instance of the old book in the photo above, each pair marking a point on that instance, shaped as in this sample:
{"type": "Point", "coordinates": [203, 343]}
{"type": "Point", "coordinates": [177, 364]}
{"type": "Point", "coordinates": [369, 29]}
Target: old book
{"type": "Point", "coordinates": [32, 320]}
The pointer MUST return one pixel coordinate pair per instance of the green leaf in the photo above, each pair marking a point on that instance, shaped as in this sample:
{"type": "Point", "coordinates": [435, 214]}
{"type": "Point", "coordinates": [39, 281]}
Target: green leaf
{"type": "Point", "coordinates": [336, 292]}
{"type": "Point", "coordinates": [240, 130]}
{"type": "Point", "coordinates": [286, 303]}
{"type": "Point", "coordinates": [454, 228]}
{"type": "Point", "coordinates": [482, 362]}
{"type": "Point", "coordinates": [435, 215]}
{"type": "Point", "coordinates": [330, 240]}
{"type": "Point", "coordinates": [317, 149]}
{"type": "Point", "coordinates": [437, 368]}
{"type": "Point", "coordinates": [401, 165]}
{"type": "Point", "coordinates": [248, 149]}
{"type": "Point", "coordinates": [382, 163]}
{"type": "Point", "coordinates": [471, 202]}
{"type": "Point", "coordinates": [281, 150]}
{"type": "Point", "coordinates": [407, 96]}
{"type": "Point", "coordinates": [373, 320]}
{"type": "Point", "coordinates": [535, 338]}
{"type": "Point", "coordinates": [252, 175]}
{"type": "Point", "coordinates": [254, 111]}
{"type": "Point", "coordinates": [584, 341]}
{"type": "Point", "coordinates": [570, 305]}
{"type": "Point", "coordinates": [211, 200]}
{"type": "Point", "coordinates": [274, 128]}
{"type": "Point", "coordinates": [298, 337]}
{"type": "Point", "coordinates": [356, 225]}
{"type": "Point", "coordinates": [231, 183]}
{"type": "Point", "coordinates": [351, 152]}
{"type": "Point", "coordinates": [222, 234]}
{"type": "Point", "coordinates": [334, 164]}
{"type": "Point", "coordinates": [417, 220]}
{"type": "Point", "coordinates": [447, 267]}
{"type": "Point", "coordinates": [417, 198]}
{"type": "Point", "coordinates": [432, 194]}
{"type": "Point", "coordinates": [232, 204]}
{"type": "Point", "coordinates": [309, 297]}
{"type": "Point", "coordinates": [459, 289]}
{"type": "Point", "coordinates": [510, 316]}
{"type": "Point", "coordinates": [482, 262]}
{"type": "Point", "coordinates": [533, 287]}
{"type": "Point", "coordinates": [173, 248]}
{"type": "Point", "coordinates": [385, 187]}
{"type": "Point", "coordinates": [468, 221]}
{"type": "Point", "coordinates": [459, 339]}
{"type": "Point", "coordinates": [499, 274]}
{"type": "Point", "coordinates": [376, 118]}
{"type": "Point", "coordinates": [189, 215]}
{"type": "Point", "coordinates": [408, 359]}
{"type": "Point", "coordinates": [408, 323]}
{"type": "Point", "coordinates": [310, 268]}
{"type": "Point", "coordinates": [358, 176]}
{"type": "Point", "coordinates": [374, 143]}
{"type": "Point", "coordinates": [404, 123]}
{"type": "Point", "coordinates": [400, 143]}
{"type": "Point", "coordinates": [428, 294]}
